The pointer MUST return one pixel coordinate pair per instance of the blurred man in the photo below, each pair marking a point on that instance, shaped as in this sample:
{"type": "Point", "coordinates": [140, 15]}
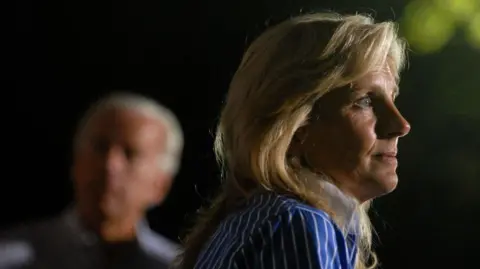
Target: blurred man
{"type": "Point", "coordinates": [126, 153]}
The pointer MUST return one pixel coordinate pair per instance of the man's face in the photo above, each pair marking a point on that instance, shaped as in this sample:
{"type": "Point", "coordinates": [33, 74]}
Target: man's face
{"type": "Point", "coordinates": [116, 167]}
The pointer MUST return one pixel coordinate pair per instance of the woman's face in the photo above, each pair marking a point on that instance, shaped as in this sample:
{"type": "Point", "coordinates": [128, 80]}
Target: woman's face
{"type": "Point", "coordinates": [353, 135]}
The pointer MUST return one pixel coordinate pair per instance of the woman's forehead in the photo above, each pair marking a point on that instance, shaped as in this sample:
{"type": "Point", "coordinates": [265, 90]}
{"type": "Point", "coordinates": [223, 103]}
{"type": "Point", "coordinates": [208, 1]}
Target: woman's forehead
{"type": "Point", "coordinates": [379, 81]}
{"type": "Point", "coordinates": [382, 80]}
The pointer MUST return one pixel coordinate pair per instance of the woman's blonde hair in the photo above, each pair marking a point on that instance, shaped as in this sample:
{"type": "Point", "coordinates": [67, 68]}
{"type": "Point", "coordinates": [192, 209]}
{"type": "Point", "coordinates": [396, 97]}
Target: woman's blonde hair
{"type": "Point", "coordinates": [281, 76]}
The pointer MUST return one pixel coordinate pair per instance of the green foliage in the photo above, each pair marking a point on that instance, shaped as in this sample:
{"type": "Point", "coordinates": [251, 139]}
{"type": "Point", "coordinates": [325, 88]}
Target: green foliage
{"type": "Point", "coordinates": [429, 25]}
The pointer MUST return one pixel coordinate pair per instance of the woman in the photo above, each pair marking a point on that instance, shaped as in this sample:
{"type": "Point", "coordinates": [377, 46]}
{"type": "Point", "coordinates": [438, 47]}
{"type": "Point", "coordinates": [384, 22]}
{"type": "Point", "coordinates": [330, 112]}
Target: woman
{"type": "Point", "coordinates": [307, 138]}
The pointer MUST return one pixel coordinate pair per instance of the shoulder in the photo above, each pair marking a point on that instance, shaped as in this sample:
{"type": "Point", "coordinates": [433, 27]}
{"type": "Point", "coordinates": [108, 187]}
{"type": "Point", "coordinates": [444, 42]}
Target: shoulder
{"type": "Point", "coordinates": [19, 244]}
{"type": "Point", "coordinates": [274, 215]}
{"type": "Point", "coordinates": [306, 217]}
{"type": "Point", "coordinates": [306, 225]}
{"type": "Point", "coordinates": [301, 219]}
{"type": "Point", "coordinates": [295, 235]}
{"type": "Point", "coordinates": [288, 211]}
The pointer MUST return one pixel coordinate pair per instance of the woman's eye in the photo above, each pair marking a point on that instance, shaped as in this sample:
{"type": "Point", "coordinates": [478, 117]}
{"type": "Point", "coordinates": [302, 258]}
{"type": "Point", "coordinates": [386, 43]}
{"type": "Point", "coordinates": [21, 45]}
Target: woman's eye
{"type": "Point", "coordinates": [364, 102]}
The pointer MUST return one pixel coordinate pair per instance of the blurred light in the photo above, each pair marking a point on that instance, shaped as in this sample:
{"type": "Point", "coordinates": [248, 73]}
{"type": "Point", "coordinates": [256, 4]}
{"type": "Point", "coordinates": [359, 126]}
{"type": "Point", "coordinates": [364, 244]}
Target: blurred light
{"type": "Point", "coordinates": [473, 31]}
{"type": "Point", "coordinates": [462, 10]}
{"type": "Point", "coordinates": [427, 27]}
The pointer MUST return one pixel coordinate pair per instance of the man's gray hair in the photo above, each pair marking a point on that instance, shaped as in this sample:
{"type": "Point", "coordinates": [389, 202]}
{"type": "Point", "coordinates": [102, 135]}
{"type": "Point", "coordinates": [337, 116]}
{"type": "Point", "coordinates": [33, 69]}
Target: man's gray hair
{"type": "Point", "coordinates": [170, 160]}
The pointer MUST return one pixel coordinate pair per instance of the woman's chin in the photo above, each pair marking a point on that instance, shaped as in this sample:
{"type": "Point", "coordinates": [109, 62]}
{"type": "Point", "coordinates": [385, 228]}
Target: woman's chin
{"type": "Point", "coordinates": [387, 184]}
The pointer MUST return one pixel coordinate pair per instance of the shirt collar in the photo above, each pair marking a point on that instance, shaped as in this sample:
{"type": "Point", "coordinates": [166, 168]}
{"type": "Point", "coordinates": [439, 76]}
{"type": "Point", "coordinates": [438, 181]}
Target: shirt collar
{"type": "Point", "coordinates": [88, 237]}
{"type": "Point", "coordinates": [343, 205]}
{"type": "Point", "coordinates": [147, 239]}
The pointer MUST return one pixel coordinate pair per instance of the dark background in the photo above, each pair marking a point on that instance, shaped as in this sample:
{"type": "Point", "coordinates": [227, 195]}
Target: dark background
{"type": "Point", "coordinates": [183, 54]}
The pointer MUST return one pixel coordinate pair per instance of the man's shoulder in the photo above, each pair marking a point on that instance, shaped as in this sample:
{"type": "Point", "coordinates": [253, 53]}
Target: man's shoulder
{"type": "Point", "coordinates": [19, 243]}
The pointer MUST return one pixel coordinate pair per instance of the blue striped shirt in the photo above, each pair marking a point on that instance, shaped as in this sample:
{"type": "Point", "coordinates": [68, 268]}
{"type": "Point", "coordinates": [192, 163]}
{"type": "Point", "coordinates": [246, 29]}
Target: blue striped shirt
{"type": "Point", "coordinates": [274, 231]}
